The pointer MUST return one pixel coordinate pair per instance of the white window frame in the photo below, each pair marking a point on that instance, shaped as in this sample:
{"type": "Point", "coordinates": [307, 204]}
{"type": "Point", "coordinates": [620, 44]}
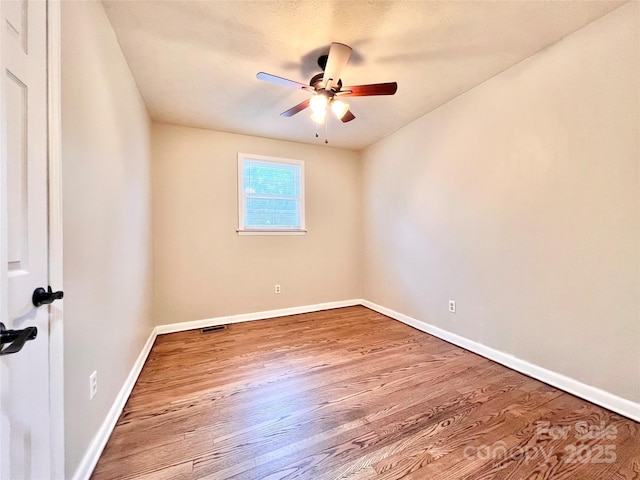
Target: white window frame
{"type": "Point", "coordinates": [242, 229]}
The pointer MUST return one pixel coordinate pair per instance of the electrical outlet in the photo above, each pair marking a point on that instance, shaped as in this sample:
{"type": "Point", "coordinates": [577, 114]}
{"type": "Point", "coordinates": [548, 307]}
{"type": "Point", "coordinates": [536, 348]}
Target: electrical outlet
{"type": "Point", "coordinates": [452, 306]}
{"type": "Point", "coordinates": [277, 289]}
{"type": "Point", "coordinates": [93, 384]}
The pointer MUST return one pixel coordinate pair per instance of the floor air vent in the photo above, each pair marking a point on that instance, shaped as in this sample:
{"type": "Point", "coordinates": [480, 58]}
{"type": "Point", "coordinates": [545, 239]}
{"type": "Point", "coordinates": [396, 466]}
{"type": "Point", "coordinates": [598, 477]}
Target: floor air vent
{"type": "Point", "coordinates": [215, 328]}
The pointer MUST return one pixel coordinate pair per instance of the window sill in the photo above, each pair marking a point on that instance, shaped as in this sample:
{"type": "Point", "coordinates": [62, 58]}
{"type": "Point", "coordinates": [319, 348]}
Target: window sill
{"type": "Point", "coordinates": [271, 232]}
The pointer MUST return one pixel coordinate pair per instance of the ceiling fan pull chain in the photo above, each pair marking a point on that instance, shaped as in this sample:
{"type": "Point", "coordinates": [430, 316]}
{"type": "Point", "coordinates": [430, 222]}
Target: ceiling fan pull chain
{"type": "Point", "coordinates": [325, 131]}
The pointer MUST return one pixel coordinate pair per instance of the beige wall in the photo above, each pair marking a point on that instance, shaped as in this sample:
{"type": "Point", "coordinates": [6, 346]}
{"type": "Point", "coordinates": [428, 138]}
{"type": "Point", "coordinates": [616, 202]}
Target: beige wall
{"type": "Point", "coordinates": [519, 200]}
{"type": "Point", "coordinates": [203, 269]}
{"type": "Point", "coordinates": [107, 214]}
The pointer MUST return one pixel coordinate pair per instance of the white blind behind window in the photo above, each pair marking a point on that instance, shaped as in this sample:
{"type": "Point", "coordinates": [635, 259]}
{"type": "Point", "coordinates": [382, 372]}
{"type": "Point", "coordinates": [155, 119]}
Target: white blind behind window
{"type": "Point", "coordinates": [271, 194]}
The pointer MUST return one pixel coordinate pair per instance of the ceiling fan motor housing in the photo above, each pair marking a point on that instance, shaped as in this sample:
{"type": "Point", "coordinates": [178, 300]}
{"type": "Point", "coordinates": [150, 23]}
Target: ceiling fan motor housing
{"type": "Point", "coordinates": [322, 61]}
{"type": "Point", "coordinates": [316, 83]}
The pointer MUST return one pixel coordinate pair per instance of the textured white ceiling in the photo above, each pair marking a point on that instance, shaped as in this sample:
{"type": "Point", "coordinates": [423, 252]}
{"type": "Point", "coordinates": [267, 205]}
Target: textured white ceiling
{"type": "Point", "coordinates": [195, 62]}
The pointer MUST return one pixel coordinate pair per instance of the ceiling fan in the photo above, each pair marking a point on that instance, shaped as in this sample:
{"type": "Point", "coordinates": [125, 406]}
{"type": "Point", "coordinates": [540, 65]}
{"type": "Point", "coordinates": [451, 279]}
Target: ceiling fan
{"type": "Point", "coordinates": [327, 89]}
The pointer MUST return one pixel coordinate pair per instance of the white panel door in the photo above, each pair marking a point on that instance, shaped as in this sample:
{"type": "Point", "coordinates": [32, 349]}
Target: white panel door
{"type": "Point", "coordinates": [24, 376]}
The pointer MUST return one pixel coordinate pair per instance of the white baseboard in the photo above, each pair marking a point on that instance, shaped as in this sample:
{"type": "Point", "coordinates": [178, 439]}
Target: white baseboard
{"type": "Point", "coordinates": [247, 317]}
{"type": "Point", "coordinates": [592, 394]}
{"type": "Point", "coordinates": [92, 455]}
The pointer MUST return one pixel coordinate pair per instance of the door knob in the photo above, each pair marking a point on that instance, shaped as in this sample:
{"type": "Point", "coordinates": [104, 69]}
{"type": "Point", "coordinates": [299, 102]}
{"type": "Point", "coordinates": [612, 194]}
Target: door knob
{"type": "Point", "coordinates": [15, 338]}
{"type": "Point", "coordinates": [44, 297]}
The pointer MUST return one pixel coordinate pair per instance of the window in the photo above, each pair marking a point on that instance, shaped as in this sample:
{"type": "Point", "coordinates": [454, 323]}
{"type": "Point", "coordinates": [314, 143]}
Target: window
{"type": "Point", "coordinates": [270, 195]}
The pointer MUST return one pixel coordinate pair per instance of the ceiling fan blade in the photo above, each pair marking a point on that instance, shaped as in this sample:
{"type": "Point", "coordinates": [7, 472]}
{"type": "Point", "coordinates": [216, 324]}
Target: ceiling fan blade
{"type": "Point", "coordinates": [369, 90]}
{"type": "Point", "coordinates": [347, 117]}
{"type": "Point", "coordinates": [267, 77]}
{"type": "Point", "coordinates": [298, 108]}
{"type": "Point", "coordinates": [338, 57]}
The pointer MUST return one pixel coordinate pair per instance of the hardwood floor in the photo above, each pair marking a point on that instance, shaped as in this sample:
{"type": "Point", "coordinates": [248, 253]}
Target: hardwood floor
{"type": "Point", "coordinates": [350, 393]}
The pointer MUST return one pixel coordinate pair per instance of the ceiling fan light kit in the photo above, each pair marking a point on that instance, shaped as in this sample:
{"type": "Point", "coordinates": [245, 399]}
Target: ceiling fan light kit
{"type": "Point", "coordinates": [319, 103]}
{"type": "Point", "coordinates": [326, 87]}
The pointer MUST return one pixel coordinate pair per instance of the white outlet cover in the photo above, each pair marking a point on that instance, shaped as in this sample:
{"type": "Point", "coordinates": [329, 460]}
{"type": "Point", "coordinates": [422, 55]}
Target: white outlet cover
{"type": "Point", "coordinates": [452, 306]}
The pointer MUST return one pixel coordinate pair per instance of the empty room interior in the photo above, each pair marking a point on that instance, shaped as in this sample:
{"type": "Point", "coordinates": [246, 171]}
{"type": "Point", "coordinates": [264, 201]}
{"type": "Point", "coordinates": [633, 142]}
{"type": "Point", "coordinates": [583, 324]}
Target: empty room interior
{"type": "Point", "coordinates": [351, 239]}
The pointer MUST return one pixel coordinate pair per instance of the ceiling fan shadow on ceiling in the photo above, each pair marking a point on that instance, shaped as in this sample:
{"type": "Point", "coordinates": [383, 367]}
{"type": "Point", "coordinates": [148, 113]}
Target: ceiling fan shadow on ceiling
{"type": "Point", "coordinates": [327, 89]}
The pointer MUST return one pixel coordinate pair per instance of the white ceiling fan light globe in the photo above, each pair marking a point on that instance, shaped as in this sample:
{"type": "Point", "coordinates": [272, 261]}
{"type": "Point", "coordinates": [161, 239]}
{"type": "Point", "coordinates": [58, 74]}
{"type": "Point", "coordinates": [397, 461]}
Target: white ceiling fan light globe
{"type": "Point", "coordinates": [319, 117]}
{"type": "Point", "coordinates": [318, 103]}
{"type": "Point", "coordinates": [339, 108]}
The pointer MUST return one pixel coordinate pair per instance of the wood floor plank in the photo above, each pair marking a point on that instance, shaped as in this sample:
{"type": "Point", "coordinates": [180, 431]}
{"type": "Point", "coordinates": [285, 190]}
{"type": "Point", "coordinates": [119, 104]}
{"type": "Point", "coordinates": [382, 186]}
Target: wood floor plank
{"type": "Point", "coordinates": [346, 393]}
